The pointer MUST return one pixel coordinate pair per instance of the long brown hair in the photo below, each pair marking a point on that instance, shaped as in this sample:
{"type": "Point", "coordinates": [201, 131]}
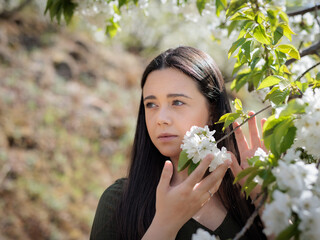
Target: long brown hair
{"type": "Point", "coordinates": [137, 206]}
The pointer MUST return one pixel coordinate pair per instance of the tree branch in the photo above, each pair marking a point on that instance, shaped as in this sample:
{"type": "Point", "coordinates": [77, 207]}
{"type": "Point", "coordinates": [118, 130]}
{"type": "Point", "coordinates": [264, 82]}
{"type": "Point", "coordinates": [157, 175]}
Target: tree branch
{"type": "Point", "coordinates": [303, 11]}
{"type": "Point", "coordinates": [313, 49]}
{"type": "Point", "coordinates": [252, 217]}
{"type": "Point", "coordinates": [7, 14]}
{"type": "Point", "coordinates": [307, 71]}
{"type": "Point", "coordinates": [225, 136]}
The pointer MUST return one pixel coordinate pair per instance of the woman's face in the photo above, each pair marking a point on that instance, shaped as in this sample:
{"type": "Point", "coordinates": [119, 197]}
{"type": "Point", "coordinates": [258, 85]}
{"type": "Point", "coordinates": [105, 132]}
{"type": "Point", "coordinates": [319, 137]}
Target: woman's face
{"type": "Point", "coordinates": [173, 104]}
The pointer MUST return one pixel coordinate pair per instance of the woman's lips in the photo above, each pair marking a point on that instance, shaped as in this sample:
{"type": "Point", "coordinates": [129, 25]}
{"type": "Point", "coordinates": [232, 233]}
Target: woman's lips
{"type": "Point", "coordinates": [166, 137]}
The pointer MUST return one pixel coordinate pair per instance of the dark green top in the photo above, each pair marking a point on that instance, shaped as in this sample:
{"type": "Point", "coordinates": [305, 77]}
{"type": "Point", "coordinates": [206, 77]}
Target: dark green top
{"type": "Point", "coordinates": [104, 225]}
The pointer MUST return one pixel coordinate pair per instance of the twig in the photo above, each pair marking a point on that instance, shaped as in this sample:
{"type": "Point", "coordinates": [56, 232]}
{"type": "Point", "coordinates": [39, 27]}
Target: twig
{"type": "Point", "coordinates": [309, 69]}
{"type": "Point", "coordinates": [303, 11]}
{"type": "Point", "coordinates": [308, 51]}
{"type": "Point", "coordinates": [7, 14]}
{"type": "Point", "coordinates": [252, 217]}
{"type": "Point", "coordinates": [225, 136]}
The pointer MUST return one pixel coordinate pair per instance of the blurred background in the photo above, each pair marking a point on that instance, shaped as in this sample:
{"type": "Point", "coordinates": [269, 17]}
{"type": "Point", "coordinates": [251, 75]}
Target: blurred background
{"type": "Point", "coordinates": [68, 105]}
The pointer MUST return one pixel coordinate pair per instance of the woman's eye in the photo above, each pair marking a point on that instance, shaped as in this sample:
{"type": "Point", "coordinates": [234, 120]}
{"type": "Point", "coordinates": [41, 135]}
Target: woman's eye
{"type": "Point", "coordinates": [150, 105]}
{"type": "Point", "coordinates": [177, 103]}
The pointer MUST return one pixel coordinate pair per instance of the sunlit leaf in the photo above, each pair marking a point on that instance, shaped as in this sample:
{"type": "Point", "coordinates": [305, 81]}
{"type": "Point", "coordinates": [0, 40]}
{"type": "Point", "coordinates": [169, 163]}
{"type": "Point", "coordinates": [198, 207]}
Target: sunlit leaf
{"type": "Point", "coordinates": [277, 35]}
{"type": "Point", "coordinates": [270, 81]}
{"type": "Point", "coordinates": [290, 50]}
{"type": "Point", "coordinates": [238, 104]}
{"type": "Point", "coordinates": [287, 31]}
{"type": "Point", "coordinates": [277, 96]}
{"type": "Point", "coordinates": [260, 35]}
{"type": "Point", "coordinates": [245, 173]}
{"type": "Point", "coordinates": [235, 45]}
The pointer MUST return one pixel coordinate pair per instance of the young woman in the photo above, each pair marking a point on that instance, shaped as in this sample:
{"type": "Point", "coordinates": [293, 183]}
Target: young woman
{"type": "Point", "coordinates": [181, 88]}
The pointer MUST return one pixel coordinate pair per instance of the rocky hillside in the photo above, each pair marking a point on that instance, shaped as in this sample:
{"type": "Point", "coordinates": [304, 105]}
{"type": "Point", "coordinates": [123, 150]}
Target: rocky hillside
{"type": "Point", "coordinates": [67, 110]}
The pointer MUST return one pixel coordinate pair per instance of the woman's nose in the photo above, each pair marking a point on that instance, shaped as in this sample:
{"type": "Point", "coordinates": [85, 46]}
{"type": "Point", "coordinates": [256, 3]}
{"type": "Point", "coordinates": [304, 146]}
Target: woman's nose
{"type": "Point", "coordinates": [164, 117]}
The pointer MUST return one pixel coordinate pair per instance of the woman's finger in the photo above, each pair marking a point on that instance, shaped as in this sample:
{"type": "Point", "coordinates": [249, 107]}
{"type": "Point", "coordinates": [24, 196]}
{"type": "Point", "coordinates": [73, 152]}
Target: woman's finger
{"type": "Point", "coordinates": [166, 175]}
{"type": "Point", "coordinates": [254, 132]}
{"type": "Point", "coordinates": [198, 173]}
{"type": "Point", "coordinates": [241, 140]}
{"type": "Point", "coordinates": [213, 180]}
{"type": "Point", "coordinates": [235, 167]}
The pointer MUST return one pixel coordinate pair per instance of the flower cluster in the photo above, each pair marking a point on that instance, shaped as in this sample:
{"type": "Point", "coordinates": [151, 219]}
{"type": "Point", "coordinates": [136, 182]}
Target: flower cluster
{"type": "Point", "coordinates": [308, 125]}
{"type": "Point", "coordinates": [199, 142]}
{"type": "Point", "coordinates": [297, 197]}
{"type": "Point", "coordinates": [203, 235]}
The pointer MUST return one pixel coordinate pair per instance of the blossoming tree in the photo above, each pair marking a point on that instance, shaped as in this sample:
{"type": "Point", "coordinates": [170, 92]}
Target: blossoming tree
{"type": "Point", "coordinates": [267, 62]}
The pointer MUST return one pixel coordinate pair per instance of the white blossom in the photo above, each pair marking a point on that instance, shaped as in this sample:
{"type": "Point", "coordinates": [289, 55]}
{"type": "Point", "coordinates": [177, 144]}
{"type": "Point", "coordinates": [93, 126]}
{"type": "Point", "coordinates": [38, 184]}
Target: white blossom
{"type": "Point", "coordinates": [277, 214]}
{"type": "Point", "coordinates": [261, 154]}
{"type": "Point", "coordinates": [308, 125]}
{"type": "Point", "coordinates": [295, 177]}
{"type": "Point", "coordinates": [199, 142]}
{"type": "Point", "coordinates": [202, 235]}
{"type": "Point", "coordinates": [292, 155]}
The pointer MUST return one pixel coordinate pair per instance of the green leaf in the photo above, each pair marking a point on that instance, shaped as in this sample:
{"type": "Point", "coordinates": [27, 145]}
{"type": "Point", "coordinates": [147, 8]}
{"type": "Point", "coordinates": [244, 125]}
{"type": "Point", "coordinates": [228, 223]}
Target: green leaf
{"type": "Point", "coordinates": [259, 33]}
{"type": "Point", "coordinates": [240, 81]}
{"type": "Point", "coordinates": [238, 104]}
{"type": "Point", "coordinates": [281, 57]}
{"type": "Point", "coordinates": [287, 31]}
{"type": "Point", "coordinates": [112, 28]}
{"type": "Point", "coordinates": [277, 35]}
{"type": "Point", "coordinates": [234, 6]}
{"type": "Point", "coordinates": [290, 50]}
{"type": "Point", "coordinates": [318, 76]}
{"type": "Point", "coordinates": [267, 177]}
{"type": "Point", "coordinates": [277, 96]}
{"type": "Point", "coordinates": [184, 161]}
{"type": "Point", "coordinates": [246, 49]}
{"type": "Point", "coordinates": [192, 167]}
{"type": "Point", "coordinates": [201, 4]}
{"type": "Point", "coordinates": [68, 10]}
{"type": "Point", "coordinates": [244, 173]}
{"type": "Point", "coordinates": [241, 16]}
{"type": "Point", "coordinates": [288, 140]}
{"type": "Point", "coordinates": [268, 131]}
{"type": "Point", "coordinates": [295, 106]}
{"type": "Point", "coordinates": [249, 186]}
{"type": "Point", "coordinates": [220, 5]}
{"type": "Point", "coordinates": [283, 16]}
{"type": "Point", "coordinates": [48, 6]}
{"type": "Point", "coordinates": [270, 81]}
{"type": "Point", "coordinates": [228, 118]}
{"type": "Point", "coordinates": [290, 231]}
{"type": "Point", "coordinates": [272, 17]}
{"type": "Point", "coordinates": [235, 45]}
{"type": "Point", "coordinates": [122, 2]}
{"type": "Point", "coordinates": [278, 134]}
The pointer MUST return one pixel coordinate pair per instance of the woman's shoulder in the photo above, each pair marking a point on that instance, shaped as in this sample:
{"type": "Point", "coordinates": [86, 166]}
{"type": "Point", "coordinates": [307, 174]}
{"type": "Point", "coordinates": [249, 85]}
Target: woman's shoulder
{"type": "Point", "coordinates": [114, 191]}
{"type": "Point", "coordinates": [104, 221]}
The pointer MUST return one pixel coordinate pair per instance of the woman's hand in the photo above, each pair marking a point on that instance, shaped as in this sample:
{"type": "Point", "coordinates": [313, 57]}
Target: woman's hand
{"type": "Point", "coordinates": [175, 205]}
{"type": "Point", "coordinates": [247, 151]}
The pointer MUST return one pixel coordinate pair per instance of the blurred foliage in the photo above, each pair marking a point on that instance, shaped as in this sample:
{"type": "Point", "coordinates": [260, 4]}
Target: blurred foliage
{"type": "Point", "coordinates": [66, 120]}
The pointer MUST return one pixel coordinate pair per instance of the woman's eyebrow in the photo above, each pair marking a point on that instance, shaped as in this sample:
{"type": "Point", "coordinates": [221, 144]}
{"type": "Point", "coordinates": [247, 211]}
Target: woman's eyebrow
{"type": "Point", "coordinates": [149, 97]}
{"type": "Point", "coordinates": [170, 95]}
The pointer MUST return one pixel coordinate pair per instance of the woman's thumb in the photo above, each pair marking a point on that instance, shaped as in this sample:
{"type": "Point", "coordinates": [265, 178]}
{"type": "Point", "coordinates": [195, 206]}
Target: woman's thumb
{"type": "Point", "coordinates": [166, 175]}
